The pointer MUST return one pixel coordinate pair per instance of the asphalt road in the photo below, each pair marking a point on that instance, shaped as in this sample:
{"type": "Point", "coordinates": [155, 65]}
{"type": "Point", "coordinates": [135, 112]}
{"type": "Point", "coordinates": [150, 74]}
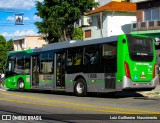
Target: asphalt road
{"type": "Point", "coordinates": [66, 107]}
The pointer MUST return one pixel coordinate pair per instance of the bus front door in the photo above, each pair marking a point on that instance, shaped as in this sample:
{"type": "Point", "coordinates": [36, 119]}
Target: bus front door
{"type": "Point", "coordinates": [35, 71]}
{"type": "Point", "coordinates": [60, 70]}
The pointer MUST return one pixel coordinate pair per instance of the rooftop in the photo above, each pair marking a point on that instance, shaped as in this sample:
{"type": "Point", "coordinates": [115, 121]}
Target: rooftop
{"type": "Point", "coordinates": [23, 37]}
{"type": "Point", "coordinates": [115, 6]}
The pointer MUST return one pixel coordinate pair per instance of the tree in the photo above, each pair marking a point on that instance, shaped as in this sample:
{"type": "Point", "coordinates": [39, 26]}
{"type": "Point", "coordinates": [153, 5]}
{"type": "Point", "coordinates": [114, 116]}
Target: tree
{"type": "Point", "coordinates": [77, 34]}
{"type": "Point", "coordinates": [59, 16]}
{"type": "Point", "coordinates": [9, 46]}
{"type": "Point", "coordinates": [3, 53]}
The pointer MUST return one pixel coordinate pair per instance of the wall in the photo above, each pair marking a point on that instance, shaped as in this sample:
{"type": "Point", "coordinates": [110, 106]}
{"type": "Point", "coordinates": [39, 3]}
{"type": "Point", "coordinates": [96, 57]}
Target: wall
{"type": "Point", "coordinates": [103, 2]}
{"type": "Point", "coordinates": [143, 6]}
{"type": "Point", "coordinates": [28, 42]}
{"type": "Point", "coordinates": [120, 23]}
{"type": "Point", "coordinates": [114, 23]}
{"type": "Point", "coordinates": [18, 44]}
{"type": "Point", "coordinates": [34, 42]}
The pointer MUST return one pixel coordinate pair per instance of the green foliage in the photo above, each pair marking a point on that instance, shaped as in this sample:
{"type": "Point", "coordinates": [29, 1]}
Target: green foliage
{"type": "Point", "coordinates": [9, 46]}
{"type": "Point", "coordinates": [59, 16]}
{"type": "Point", "coordinates": [77, 34]}
{"type": "Point", "coordinates": [3, 53]}
{"type": "Point", "coordinates": [5, 47]}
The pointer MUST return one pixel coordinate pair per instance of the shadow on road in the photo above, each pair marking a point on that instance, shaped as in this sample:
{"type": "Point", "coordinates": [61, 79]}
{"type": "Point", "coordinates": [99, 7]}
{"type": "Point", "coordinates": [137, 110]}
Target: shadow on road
{"type": "Point", "coordinates": [120, 94]}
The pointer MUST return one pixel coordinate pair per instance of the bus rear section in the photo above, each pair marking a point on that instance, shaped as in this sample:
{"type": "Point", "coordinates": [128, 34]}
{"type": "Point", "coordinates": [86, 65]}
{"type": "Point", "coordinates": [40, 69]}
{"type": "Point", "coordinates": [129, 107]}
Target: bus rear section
{"type": "Point", "coordinates": [137, 64]}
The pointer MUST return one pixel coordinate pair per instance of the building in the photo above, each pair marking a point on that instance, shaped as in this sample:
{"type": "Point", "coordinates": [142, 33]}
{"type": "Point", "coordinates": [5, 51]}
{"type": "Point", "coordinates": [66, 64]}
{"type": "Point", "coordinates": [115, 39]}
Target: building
{"type": "Point", "coordinates": [148, 18]}
{"type": "Point", "coordinates": [103, 2]}
{"type": "Point", "coordinates": [28, 42]}
{"type": "Point", "coordinates": [148, 22]}
{"type": "Point", "coordinates": [113, 18]}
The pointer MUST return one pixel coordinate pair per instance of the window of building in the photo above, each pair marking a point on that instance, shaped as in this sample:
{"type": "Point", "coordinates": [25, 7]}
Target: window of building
{"type": "Point", "coordinates": [152, 14]}
{"type": "Point", "coordinates": [87, 33]}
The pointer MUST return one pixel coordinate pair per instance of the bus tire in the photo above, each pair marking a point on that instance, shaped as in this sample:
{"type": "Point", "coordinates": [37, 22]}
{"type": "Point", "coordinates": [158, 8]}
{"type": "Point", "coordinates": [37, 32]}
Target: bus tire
{"type": "Point", "coordinates": [80, 87]}
{"type": "Point", "coordinates": [21, 85]}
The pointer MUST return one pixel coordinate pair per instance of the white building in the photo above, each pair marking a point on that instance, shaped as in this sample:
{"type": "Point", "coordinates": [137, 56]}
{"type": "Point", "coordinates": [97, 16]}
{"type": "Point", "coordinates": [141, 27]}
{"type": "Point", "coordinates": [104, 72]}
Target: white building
{"type": "Point", "coordinates": [28, 42]}
{"type": "Point", "coordinates": [113, 18]}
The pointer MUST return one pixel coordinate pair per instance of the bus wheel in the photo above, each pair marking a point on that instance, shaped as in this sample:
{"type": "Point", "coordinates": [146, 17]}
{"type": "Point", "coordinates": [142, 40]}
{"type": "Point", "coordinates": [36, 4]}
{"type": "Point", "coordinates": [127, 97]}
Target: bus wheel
{"type": "Point", "coordinates": [20, 85]}
{"type": "Point", "coordinates": [80, 87]}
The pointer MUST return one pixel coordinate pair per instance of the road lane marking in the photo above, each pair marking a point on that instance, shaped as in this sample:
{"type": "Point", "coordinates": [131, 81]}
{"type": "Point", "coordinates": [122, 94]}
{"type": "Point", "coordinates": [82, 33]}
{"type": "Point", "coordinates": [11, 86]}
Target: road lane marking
{"type": "Point", "coordinates": [71, 103]}
{"type": "Point", "coordinates": [71, 107]}
{"type": "Point", "coordinates": [76, 104]}
{"type": "Point", "coordinates": [111, 110]}
{"type": "Point", "coordinates": [42, 99]}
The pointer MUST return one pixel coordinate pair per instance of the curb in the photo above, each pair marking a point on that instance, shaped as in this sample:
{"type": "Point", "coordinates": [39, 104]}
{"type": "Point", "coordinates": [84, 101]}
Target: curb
{"type": "Point", "coordinates": [3, 87]}
{"type": "Point", "coordinates": [153, 93]}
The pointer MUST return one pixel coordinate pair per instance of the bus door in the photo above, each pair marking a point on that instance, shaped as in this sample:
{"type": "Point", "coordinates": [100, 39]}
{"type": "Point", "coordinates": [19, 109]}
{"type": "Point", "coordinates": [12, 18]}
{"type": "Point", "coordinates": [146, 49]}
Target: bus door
{"type": "Point", "coordinates": [35, 71]}
{"type": "Point", "coordinates": [60, 70]}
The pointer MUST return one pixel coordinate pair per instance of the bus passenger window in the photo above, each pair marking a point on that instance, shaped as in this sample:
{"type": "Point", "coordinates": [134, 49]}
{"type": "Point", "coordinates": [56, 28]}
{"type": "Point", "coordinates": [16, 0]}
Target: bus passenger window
{"type": "Point", "coordinates": [27, 64]}
{"type": "Point", "coordinates": [69, 61]}
{"type": "Point", "coordinates": [47, 60]}
{"type": "Point", "coordinates": [77, 61]}
{"type": "Point", "coordinates": [91, 55]}
{"type": "Point", "coordinates": [74, 56]}
{"type": "Point", "coordinates": [109, 50]}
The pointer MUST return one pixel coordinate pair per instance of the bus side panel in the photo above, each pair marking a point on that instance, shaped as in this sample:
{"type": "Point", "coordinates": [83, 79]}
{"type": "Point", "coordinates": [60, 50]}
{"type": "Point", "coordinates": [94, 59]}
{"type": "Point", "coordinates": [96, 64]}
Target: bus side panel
{"type": "Point", "coordinates": [12, 82]}
{"type": "Point", "coordinates": [46, 82]}
{"type": "Point", "coordinates": [93, 84]}
{"type": "Point", "coordinates": [70, 80]}
{"type": "Point", "coordinates": [27, 82]}
{"type": "Point", "coordinates": [121, 53]}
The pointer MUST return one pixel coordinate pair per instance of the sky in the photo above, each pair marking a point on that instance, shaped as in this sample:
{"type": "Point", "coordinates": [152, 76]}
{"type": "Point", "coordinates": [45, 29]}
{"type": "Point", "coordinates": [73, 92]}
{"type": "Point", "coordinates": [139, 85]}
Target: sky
{"type": "Point", "coordinates": [8, 10]}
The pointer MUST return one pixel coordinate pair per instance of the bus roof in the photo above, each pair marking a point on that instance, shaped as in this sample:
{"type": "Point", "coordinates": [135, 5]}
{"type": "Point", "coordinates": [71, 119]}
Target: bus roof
{"type": "Point", "coordinates": [75, 43]}
{"type": "Point", "coordinates": [27, 51]}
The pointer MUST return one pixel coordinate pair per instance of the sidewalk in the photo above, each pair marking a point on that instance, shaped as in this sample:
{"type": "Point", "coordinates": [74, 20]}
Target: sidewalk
{"type": "Point", "coordinates": [3, 88]}
{"type": "Point", "coordinates": [153, 93]}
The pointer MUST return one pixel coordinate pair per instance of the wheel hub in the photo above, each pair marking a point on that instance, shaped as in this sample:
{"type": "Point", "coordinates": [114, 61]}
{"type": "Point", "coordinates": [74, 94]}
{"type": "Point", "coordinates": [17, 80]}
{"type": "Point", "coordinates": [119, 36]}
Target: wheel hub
{"type": "Point", "coordinates": [21, 85]}
{"type": "Point", "coordinates": [80, 88]}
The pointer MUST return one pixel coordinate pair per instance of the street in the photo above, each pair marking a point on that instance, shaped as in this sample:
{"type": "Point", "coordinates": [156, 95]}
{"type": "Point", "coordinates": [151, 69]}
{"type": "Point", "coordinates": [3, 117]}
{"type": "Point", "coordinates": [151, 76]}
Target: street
{"type": "Point", "coordinates": [59, 105]}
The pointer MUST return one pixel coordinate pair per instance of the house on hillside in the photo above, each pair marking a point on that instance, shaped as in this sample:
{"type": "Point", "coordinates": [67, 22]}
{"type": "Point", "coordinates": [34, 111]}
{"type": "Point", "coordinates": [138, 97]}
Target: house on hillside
{"type": "Point", "coordinates": [28, 42]}
{"type": "Point", "coordinates": [113, 18]}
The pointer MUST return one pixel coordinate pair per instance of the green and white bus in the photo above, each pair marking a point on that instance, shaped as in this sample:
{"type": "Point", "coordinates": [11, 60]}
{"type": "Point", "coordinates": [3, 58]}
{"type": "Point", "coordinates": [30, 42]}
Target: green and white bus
{"type": "Point", "coordinates": [116, 63]}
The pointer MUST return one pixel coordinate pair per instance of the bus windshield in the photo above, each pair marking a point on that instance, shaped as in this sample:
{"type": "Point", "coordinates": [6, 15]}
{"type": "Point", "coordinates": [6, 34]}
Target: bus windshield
{"type": "Point", "coordinates": [10, 64]}
{"type": "Point", "coordinates": [140, 49]}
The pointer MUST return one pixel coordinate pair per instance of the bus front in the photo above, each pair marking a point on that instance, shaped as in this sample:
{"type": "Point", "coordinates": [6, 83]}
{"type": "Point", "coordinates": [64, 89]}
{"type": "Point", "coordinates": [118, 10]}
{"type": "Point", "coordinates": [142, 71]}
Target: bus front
{"type": "Point", "coordinates": [138, 63]}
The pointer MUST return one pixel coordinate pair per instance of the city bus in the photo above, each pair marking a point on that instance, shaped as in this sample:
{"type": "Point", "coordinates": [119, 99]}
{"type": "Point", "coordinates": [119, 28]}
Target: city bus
{"type": "Point", "coordinates": [110, 64]}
